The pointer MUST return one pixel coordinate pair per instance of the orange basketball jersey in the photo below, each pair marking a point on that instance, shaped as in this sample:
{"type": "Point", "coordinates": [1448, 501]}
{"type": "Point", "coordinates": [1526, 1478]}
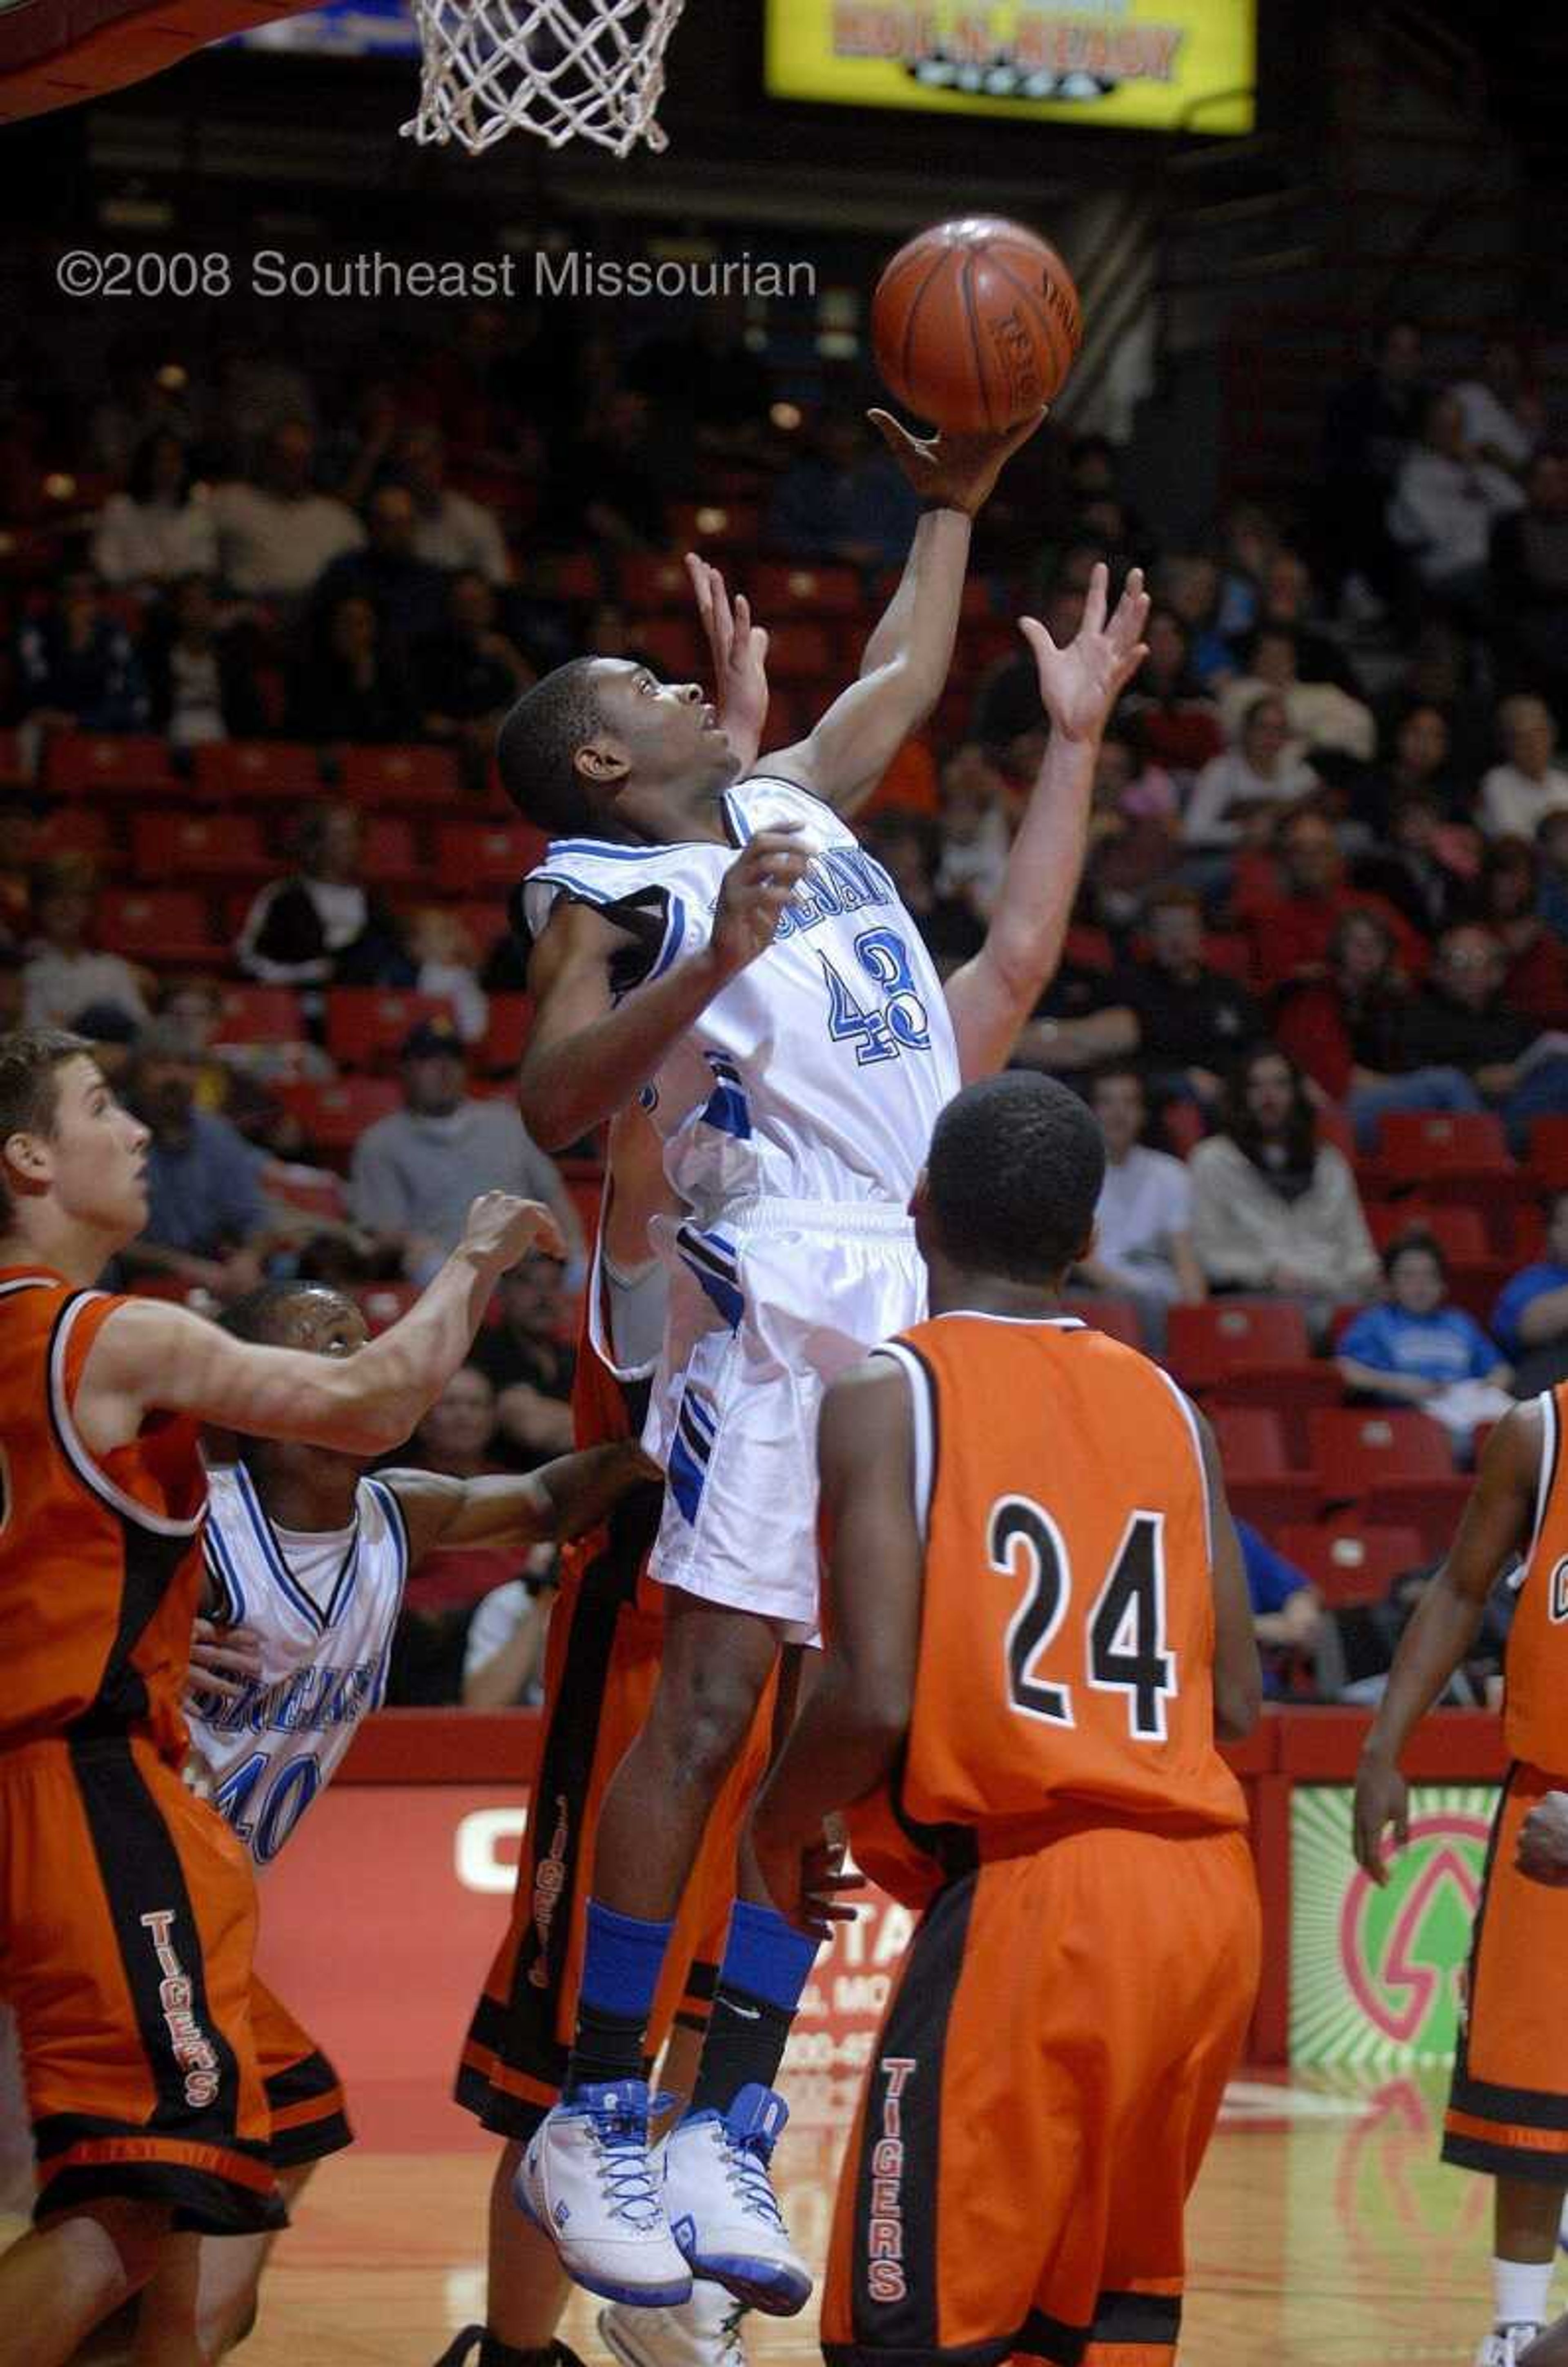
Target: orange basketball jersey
{"type": "Point", "coordinates": [1534, 1719]}
{"type": "Point", "coordinates": [1066, 1671]}
{"type": "Point", "coordinates": [100, 1565]}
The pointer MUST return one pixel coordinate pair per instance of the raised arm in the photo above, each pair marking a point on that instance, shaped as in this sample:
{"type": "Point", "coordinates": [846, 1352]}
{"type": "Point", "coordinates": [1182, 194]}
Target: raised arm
{"type": "Point", "coordinates": [588, 1056]}
{"type": "Point", "coordinates": [857, 1714]}
{"type": "Point", "coordinates": [563, 1498]}
{"type": "Point", "coordinates": [908, 656]}
{"type": "Point", "coordinates": [1497, 1523]}
{"type": "Point", "coordinates": [991, 997]}
{"type": "Point", "coordinates": [150, 1356]}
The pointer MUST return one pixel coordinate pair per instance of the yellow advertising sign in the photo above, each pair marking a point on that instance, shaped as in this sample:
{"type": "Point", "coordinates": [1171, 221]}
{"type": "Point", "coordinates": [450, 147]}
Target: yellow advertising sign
{"type": "Point", "coordinates": [1141, 65]}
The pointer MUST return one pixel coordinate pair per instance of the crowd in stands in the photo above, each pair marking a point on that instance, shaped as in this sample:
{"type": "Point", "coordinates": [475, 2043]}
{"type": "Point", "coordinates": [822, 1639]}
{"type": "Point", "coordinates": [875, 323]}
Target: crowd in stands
{"type": "Point", "coordinates": [251, 842]}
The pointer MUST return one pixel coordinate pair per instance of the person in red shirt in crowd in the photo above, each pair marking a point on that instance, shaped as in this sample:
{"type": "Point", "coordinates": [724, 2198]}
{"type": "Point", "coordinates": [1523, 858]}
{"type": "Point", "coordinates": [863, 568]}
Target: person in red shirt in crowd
{"type": "Point", "coordinates": [1534, 982]}
{"type": "Point", "coordinates": [1179, 727]}
{"type": "Point", "coordinates": [1339, 1028]}
{"type": "Point", "coordinates": [1290, 926]}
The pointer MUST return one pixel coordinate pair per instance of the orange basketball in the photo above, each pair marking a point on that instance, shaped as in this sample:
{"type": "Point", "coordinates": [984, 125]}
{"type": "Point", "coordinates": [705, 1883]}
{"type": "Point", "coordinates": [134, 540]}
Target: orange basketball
{"type": "Point", "coordinates": [975, 324]}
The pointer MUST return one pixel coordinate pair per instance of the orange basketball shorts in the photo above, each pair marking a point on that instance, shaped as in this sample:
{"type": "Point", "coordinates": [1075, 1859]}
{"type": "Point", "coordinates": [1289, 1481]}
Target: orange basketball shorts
{"type": "Point", "coordinates": [1041, 2093]}
{"type": "Point", "coordinates": [1508, 2104]}
{"type": "Point", "coordinates": [128, 1917]}
{"type": "Point", "coordinates": [602, 1665]}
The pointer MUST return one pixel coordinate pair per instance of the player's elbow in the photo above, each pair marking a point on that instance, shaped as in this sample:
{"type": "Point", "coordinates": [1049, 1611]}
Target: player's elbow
{"type": "Point", "coordinates": [1238, 1701]}
{"type": "Point", "coordinates": [545, 1103]}
{"type": "Point", "coordinates": [879, 1706]}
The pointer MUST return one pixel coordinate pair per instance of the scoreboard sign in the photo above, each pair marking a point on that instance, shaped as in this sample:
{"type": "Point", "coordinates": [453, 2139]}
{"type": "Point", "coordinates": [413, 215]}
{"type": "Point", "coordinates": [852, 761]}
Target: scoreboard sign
{"type": "Point", "coordinates": [1121, 65]}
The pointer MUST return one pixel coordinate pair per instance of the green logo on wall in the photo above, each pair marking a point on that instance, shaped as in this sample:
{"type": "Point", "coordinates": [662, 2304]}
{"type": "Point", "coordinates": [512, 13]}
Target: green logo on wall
{"type": "Point", "coordinates": [1377, 1976]}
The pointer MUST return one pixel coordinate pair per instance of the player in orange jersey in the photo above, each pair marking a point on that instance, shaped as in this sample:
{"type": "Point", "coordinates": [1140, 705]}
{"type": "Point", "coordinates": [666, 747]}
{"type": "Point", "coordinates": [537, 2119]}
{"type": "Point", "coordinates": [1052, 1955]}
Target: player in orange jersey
{"type": "Point", "coordinates": [126, 1908]}
{"type": "Point", "coordinates": [1508, 2105]}
{"type": "Point", "coordinates": [1036, 1617]}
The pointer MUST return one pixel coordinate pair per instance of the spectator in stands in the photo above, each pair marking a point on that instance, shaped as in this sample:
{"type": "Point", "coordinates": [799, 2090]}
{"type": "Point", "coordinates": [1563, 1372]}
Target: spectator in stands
{"type": "Point", "coordinates": [1530, 1318]}
{"type": "Point", "coordinates": [1368, 429]}
{"type": "Point", "coordinates": [1535, 981]}
{"type": "Point", "coordinates": [1189, 585]}
{"type": "Point", "coordinates": [1516, 795]}
{"type": "Point", "coordinates": [1179, 726]}
{"type": "Point", "coordinates": [1336, 1028]}
{"type": "Point", "coordinates": [1324, 720]}
{"type": "Point", "coordinates": [1530, 580]}
{"type": "Point", "coordinates": [1182, 1023]}
{"type": "Point", "coordinates": [1291, 926]}
{"type": "Point", "coordinates": [469, 674]}
{"type": "Point", "coordinates": [204, 1218]}
{"type": "Point", "coordinates": [503, 1652]}
{"type": "Point", "coordinates": [1426, 867]}
{"type": "Point", "coordinates": [1143, 1226]}
{"type": "Point", "coordinates": [451, 530]}
{"type": "Point", "coordinates": [605, 488]}
{"type": "Point", "coordinates": [320, 925]}
{"type": "Point", "coordinates": [844, 498]}
{"type": "Point", "coordinates": [1462, 1018]}
{"type": "Point", "coordinates": [352, 684]}
{"type": "Point", "coordinates": [1238, 796]}
{"type": "Point", "coordinates": [1287, 599]}
{"type": "Point", "coordinates": [201, 682]}
{"type": "Point", "coordinates": [446, 963]}
{"type": "Point", "coordinates": [408, 595]}
{"type": "Point", "coordinates": [150, 396]}
{"type": "Point", "coordinates": [1415, 1349]}
{"type": "Point", "coordinates": [1010, 721]}
{"type": "Point", "coordinates": [1273, 1209]}
{"type": "Point", "coordinates": [909, 845]}
{"type": "Point", "coordinates": [1415, 762]}
{"type": "Point", "coordinates": [63, 973]}
{"type": "Point", "coordinates": [77, 669]}
{"type": "Point", "coordinates": [1445, 505]}
{"type": "Point", "coordinates": [158, 529]}
{"type": "Point", "coordinates": [415, 1172]}
{"type": "Point", "coordinates": [113, 1035]}
{"type": "Point", "coordinates": [1552, 846]}
{"type": "Point", "coordinates": [528, 1361]}
{"type": "Point", "coordinates": [1288, 1618]}
{"type": "Point", "coordinates": [976, 835]}
{"type": "Point", "coordinates": [274, 536]}
{"type": "Point", "coordinates": [457, 1434]}
{"type": "Point", "coordinates": [1133, 825]}
{"type": "Point", "coordinates": [1502, 418]}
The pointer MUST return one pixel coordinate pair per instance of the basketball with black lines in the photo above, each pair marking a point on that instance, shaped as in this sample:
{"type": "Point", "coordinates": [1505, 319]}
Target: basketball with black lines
{"type": "Point", "coordinates": [975, 324]}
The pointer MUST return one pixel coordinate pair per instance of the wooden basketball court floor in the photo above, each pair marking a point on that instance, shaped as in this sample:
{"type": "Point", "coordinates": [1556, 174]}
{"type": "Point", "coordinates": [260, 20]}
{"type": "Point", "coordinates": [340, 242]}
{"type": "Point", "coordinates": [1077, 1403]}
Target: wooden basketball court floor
{"type": "Point", "coordinates": [1323, 2233]}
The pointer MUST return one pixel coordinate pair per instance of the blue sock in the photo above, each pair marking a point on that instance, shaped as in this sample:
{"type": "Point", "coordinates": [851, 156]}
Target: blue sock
{"type": "Point", "coordinates": [767, 1964]}
{"type": "Point", "coordinates": [621, 1965]}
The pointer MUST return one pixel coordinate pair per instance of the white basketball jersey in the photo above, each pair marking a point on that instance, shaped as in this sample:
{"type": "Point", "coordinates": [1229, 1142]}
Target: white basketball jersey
{"type": "Point", "coordinates": [817, 1073]}
{"type": "Point", "coordinates": [325, 1607]}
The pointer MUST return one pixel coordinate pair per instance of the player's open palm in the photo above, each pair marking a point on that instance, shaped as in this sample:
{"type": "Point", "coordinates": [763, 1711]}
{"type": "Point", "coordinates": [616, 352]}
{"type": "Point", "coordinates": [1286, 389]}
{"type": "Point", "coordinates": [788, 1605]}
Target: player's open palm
{"type": "Point", "coordinates": [959, 472]}
{"type": "Point", "coordinates": [500, 1229]}
{"type": "Point", "coordinates": [1382, 1798]}
{"type": "Point", "coordinates": [738, 649]}
{"type": "Point", "coordinates": [1080, 685]}
{"type": "Point", "coordinates": [752, 896]}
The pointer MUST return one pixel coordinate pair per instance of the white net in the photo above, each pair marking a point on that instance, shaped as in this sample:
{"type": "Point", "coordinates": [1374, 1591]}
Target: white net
{"type": "Point", "coordinates": [562, 69]}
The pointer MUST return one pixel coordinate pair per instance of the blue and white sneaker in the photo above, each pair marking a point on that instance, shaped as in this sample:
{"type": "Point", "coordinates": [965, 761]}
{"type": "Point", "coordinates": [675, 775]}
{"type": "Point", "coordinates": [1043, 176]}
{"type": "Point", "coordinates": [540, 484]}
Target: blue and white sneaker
{"type": "Point", "coordinates": [587, 2180]}
{"type": "Point", "coordinates": [721, 2207]}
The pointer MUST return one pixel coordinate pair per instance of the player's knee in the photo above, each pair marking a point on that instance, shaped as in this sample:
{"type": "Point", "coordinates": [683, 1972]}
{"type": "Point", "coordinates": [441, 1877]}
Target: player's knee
{"type": "Point", "coordinates": [706, 1737]}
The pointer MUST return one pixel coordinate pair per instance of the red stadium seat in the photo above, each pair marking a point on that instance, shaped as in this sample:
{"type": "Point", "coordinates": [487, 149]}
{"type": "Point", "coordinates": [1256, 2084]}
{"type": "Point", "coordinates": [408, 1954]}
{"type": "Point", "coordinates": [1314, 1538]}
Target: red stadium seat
{"type": "Point", "coordinates": [199, 847]}
{"type": "Point", "coordinates": [256, 771]}
{"type": "Point", "coordinates": [14, 773]}
{"type": "Point", "coordinates": [1208, 1342]}
{"type": "Point", "coordinates": [471, 855]}
{"type": "Point", "coordinates": [1393, 1467]}
{"type": "Point", "coordinates": [1114, 1317]}
{"type": "Point", "coordinates": [510, 1017]}
{"type": "Point", "coordinates": [261, 1014]}
{"type": "Point", "coordinates": [575, 575]}
{"type": "Point", "coordinates": [110, 764]}
{"type": "Point", "coordinates": [400, 776]}
{"type": "Point", "coordinates": [389, 854]}
{"type": "Point", "coordinates": [81, 830]}
{"type": "Point", "coordinates": [649, 582]}
{"type": "Point", "coordinates": [674, 645]}
{"type": "Point", "coordinates": [1260, 1481]}
{"type": "Point", "coordinates": [333, 1117]}
{"type": "Point", "coordinates": [1348, 1562]}
{"type": "Point", "coordinates": [1458, 1232]}
{"type": "Point", "coordinates": [797, 651]}
{"type": "Point", "coordinates": [778, 590]}
{"type": "Point", "coordinates": [168, 928]}
{"type": "Point", "coordinates": [1432, 1146]}
{"type": "Point", "coordinates": [367, 1025]}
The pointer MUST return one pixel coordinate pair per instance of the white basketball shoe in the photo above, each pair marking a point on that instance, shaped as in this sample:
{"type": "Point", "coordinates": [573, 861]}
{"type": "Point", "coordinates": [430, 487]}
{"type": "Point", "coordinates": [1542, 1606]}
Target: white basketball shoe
{"type": "Point", "coordinates": [1506, 2346]}
{"type": "Point", "coordinates": [704, 2332]}
{"type": "Point", "coordinates": [587, 2179]}
{"type": "Point", "coordinates": [721, 2207]}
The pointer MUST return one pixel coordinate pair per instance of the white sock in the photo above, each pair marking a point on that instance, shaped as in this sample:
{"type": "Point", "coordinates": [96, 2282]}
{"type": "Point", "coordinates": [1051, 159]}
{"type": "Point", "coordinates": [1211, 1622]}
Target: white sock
{"type": "Point", "coordinates": [1518, 2291]}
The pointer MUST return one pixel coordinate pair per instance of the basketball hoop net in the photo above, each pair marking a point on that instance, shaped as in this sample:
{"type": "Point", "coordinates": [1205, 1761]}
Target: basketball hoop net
{"type": "Point", "coordinates": [562, 69]}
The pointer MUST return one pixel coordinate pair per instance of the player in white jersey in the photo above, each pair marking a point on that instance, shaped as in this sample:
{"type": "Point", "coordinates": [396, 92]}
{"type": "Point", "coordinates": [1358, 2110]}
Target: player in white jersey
{"type": "Point", "coordinates": [306, 1559]}
{"type": "Point", "coordinates": [726, 951]}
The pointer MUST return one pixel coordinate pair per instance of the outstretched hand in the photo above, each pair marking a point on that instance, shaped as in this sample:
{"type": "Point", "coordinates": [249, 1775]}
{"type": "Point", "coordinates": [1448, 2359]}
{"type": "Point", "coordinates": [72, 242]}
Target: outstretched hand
{"type": "Point", "coordinates": [955, 472]}
{"type": "Point", "coordinates": [1080, 685]}
{"type": "Point", "coordinates": [739, 653]}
